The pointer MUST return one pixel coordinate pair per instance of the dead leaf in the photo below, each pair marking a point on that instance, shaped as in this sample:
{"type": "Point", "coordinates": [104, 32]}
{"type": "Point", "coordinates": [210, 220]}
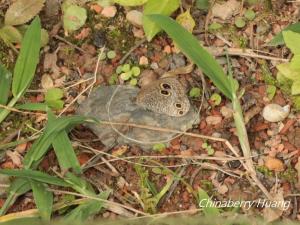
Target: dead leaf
{"type": "Point", "coordinates": [225, 10]}
{"type": "Point", "coordinates": [21, 11]}
{"type": "Point", "coordinates": [47, 82]}
{"type": "Point", "coordinates": [50, 64]}
{"type": "Point", "coordinates": [15, 157]}
{"type": "Point", "coordinates": [270, 213]}
{"type": "Point", "coordinates": [186, 20]}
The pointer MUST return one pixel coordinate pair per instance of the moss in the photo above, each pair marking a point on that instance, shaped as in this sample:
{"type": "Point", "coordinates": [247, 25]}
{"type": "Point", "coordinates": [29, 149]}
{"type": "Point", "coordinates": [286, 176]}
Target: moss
{"type": "Point", "coordinates": [289, 175]}
{"type": "Point", "coordinates": [265, 171]}
{"type": "Point", "coordinates": [266, 73]}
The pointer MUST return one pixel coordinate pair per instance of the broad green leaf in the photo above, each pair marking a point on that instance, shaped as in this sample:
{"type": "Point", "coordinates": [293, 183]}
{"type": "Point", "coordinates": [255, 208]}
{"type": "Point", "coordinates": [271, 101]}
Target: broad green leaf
{"type": "Point", "coordinates": [286, 70]}
{"type": "Point", "coordinates": [190, 46]}
{"type": "Point", "coordinates": [130, 2]}
{"type": "Point", "coordinates": [21, 11]}
{"type": "Point", "coordinates": [10, 34]}
{"type": "Point", "coordinates": [271, 91]}
{"type": "Point", "coordinates": [74, 17]}
{"type": "Point", "coordinates": [104, 3]}
{"type": "Point", "coordinates": [54, 94]}
{"type": "Point", "coordinates": [41, 145]}
{"type": "Point", "coordinates": [292, 41]}
{"type": "Point", "coordinates": [296, 87]}
{"type": "Point", "coordinates": [33, 106]}
{"type": "Point", "coordinates": [278, 39]}
{"type": "Point", "coordinates": [35, 175]}
{"type": "Point", "coordinates": [295, 62]}
{"type": "Point", "coordinates": [65, 153]}
{"type": "Point", "coordinates": [206, 204]}
{"type": "Point", "coordinates": [186, 20]}
{"type": "Point", "coordinates": [5, 81]}
{"type": "Point", "coordinates": [27, 59]}
{"type": "Point", "coordinates": [43, 199]}
{"type": "Point", "coordinates": [163, 7]}
{"type": "Point", "coordinates": [19, 187]}
{"type": "Point", "coordinates": [90, 208]}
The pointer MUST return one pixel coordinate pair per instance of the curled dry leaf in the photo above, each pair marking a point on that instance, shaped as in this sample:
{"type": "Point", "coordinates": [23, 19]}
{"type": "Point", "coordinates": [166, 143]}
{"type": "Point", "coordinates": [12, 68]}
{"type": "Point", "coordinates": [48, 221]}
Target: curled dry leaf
{"type": "Point", "coordinates": [21, 11]}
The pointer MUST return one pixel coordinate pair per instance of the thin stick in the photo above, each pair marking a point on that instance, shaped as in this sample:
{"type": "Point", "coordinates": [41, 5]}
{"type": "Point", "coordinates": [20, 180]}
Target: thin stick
{"type": "Point", "coordinates": [98, 199]}
{"type": "Point", "coordinates": [69, 43]}
{"type": "Point", "coordinates": [21, 111]}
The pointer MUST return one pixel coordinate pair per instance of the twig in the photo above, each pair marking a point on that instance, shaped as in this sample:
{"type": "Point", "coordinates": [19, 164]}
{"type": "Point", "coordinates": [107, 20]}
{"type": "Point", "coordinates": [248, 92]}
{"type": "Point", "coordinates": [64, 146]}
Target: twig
{"type": "Point", "coordinates": [21, 111]}
{"type": "Point", "coordinates": [108, 205]}
{"type": "Point", "coordinates": [69, 43]}
{"type": "Point", "coordinates": [122, 60]}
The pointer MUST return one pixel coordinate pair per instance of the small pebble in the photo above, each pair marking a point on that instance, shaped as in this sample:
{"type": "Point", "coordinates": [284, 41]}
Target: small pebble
{"type": "Point", "coordinates": [109, 11]}
{"type": "Point", "coordinates": [47, 81]}
{"type": "Point", "coordinates": [143, 61]}
{"type": "Point", "coordinates": [135, 18]}
{"type": "Point", "coordinates": [226, 112]}
{"type": "Point", "coordinates": [213, 120]}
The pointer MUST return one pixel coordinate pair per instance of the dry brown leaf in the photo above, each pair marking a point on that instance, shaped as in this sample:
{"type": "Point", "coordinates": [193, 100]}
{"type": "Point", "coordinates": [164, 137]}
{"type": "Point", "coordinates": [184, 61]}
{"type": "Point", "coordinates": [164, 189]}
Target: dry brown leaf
{"type": "Point", "coordinates": [22, 11]}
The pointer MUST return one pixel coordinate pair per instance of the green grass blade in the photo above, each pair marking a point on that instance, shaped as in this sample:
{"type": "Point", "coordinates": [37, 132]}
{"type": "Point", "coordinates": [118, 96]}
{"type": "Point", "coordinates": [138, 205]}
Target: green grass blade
{"type": "Point", "coordinates": [190, 46]}
{"type": "Point", "coordinates": [35, 175]}
{"type": "Point", "coordinates": [41, 145]}
{"type": "Point", "coordinates": [18, 187]}
{"type": "Point", "coordinates": [43, 199]}
{"type": "Point", "coordinates": [65, 153]}
{"type": "Point", "coordinates": [207, 204]}
{"type": "Point", "coordinates": [33, 107]}
{"type": "Point", "coordinates": [5, 80]}
{"type": "Point", "coordinates": [82, 212]}
{"type": "Point", "coordinates": [28, 59]}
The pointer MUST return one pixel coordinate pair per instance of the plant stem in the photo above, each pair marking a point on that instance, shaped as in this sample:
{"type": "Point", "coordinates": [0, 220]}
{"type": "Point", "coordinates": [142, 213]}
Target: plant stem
{"type": "Point", "coordinates": [5, 112]}
{"type": "Point", "coordinates": [244, 142]}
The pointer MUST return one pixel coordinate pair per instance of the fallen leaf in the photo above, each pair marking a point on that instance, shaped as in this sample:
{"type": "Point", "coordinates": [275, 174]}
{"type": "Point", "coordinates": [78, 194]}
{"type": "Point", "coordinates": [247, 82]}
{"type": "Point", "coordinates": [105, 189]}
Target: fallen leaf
{"type": "Point", "coordinates": [21, 11]}
{"type": "Point", "coordinates": [225, 10]}
{"type": "Point", "coordinates": [47, 82]}
{"type": "Point", "coordinates": [15, 157]}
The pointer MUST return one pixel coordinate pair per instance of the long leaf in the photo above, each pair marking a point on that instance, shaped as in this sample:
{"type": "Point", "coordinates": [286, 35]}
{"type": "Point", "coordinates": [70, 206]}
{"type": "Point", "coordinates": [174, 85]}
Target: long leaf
{"type": "Point", "coordinates": [5, 80]}
{"type": "Point", "coordinates": [163, 7]}
{"type": "Point", "coordinates": [65, 153]}
{"type": "Point", "coordinates": [87, 209]}
{"type": "Point", "coordinates": [206, 203]}
{"type": "Point", "coordinates": [28, 59]}
{"type": "Point", "coordinates": [18, 187]}
{"type": "Point", "coordinates": [41, 145]}
{"type": "Point", "coordinates": [35, 175]}
{"type": "Point", "coordinates": [43, 199]}
{"type": "Point", "coordinates": [190, 46]}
